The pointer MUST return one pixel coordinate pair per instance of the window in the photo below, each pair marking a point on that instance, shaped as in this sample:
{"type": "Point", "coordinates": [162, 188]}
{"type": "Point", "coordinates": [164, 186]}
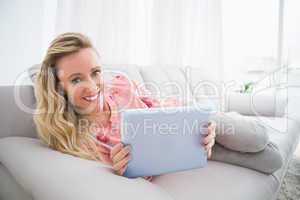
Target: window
{"type": "Point", "coordinates": [250, 37]}
{"type": "Point", "coordinates": [292, 32]}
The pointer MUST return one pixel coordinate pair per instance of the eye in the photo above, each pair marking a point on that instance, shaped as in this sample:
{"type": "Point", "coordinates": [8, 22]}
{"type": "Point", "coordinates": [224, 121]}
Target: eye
{"type": "Point", "coordinates": [75, 80]}
{"type": "Point", "coordinates": [97, 72]}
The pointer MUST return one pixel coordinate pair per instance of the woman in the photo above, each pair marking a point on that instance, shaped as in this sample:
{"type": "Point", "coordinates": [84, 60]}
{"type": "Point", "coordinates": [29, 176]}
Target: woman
{"type": "Point", "coordinates": [72, 98]}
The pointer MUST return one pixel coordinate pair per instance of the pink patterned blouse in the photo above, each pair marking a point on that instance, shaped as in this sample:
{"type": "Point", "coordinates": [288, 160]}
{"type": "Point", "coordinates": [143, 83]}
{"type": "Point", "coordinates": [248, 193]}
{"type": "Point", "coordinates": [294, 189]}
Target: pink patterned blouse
{"type": "Point", "coordinates": [121, 93]}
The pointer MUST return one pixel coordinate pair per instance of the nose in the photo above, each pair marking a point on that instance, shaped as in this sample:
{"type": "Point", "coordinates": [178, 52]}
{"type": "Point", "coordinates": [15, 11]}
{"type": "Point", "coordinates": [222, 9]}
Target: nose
{"type": "Point", "coordinates": [92, 86]}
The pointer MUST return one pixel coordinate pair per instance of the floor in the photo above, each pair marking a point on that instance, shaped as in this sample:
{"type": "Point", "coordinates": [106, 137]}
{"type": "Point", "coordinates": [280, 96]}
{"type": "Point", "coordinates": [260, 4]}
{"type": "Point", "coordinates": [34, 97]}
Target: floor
{"type": "Point", "coordinates": [290, 188]}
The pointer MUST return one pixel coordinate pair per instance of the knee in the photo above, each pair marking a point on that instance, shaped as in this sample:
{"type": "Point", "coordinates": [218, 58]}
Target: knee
{"type": "Point", "coordinates": [240, 133]}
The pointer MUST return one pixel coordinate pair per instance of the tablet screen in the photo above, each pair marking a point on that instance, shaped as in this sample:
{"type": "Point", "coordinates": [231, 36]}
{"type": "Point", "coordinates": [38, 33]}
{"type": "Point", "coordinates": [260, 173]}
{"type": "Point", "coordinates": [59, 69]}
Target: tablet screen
{"type": "Point", "coordinates": [164, 140]}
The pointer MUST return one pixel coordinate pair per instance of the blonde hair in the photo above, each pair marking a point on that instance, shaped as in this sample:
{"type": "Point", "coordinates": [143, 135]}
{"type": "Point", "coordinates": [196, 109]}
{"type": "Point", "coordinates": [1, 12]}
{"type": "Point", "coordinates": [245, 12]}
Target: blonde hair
{"type": "Point", "coordinates": [55, 119]}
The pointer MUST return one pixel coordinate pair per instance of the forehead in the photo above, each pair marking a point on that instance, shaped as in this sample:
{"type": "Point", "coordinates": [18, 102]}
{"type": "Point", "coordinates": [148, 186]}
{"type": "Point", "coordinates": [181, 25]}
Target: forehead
{"type": "Point", "coordinates": [78, 62]}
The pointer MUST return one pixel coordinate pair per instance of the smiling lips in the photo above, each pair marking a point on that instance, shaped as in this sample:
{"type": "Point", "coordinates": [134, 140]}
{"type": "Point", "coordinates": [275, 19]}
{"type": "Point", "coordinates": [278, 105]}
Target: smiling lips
{"type": "Point", "coordinates": [91, 98]}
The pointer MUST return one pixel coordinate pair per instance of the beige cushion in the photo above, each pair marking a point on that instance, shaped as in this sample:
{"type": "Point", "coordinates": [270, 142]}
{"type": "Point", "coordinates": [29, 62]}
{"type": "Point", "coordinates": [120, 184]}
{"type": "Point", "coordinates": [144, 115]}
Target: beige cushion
{"type": "Point", "coordinates": [9, 188]}
{"type": "Point", "coordinates": [131, 71]}
{"type": "Point", "coordinates": [219, 181]}
{"type": "Point", "coordinates": [47, 174]}
{"type": "Point", "coordinates": [265, 102]}
{"type": "Point", "coordinates": [166, 81]}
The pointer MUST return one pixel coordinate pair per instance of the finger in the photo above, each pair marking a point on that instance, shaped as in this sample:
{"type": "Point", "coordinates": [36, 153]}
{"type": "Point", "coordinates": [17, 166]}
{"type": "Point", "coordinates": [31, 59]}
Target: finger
{"type": "Point", "coordinates": [103, 149]}
{"type": "Point", "coordinates": [118, 166]}
{"type": "Point", "coordinates": [122, 170]}
{"type": "Point", "coordinates": [105, 158]}
{"type": "Point", "coordinates": [208, 128]}
{"type": "Point", "coordinates": [211, 131]}
{"type": "Point", "coordinates": [212, 125]}
{"type": "Point", "coordinates": [148, 178]}
{"type": "Point", "coordinates": [211, 128]}
{"type": "Point", "coordinates": [208, 139]}
{"type": "Point", "coordinates": [121, 154]}
{"type": "Point", "coordinates": [209, 145]}
{"type": "Point", "coordinates": [209, 153]}
{"type": "Point", "coordinates": [116, 149]}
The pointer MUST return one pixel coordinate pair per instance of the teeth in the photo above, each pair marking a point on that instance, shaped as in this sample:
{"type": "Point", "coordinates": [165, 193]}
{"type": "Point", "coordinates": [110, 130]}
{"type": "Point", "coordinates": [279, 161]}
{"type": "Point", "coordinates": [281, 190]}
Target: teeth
{"type": "Point", "coordinates": [92, 98]}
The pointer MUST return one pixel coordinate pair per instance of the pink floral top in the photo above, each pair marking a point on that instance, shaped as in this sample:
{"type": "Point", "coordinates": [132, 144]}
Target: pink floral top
{"type": "Point", "coordinates": [120, 93]}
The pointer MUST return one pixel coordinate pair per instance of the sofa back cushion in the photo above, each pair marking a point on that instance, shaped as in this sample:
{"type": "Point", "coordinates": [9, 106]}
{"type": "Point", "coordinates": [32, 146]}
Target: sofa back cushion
{"type": "Point", "coordinates": [131, 71]}
{"type": "Point", "coordinates": [17, 105]}
{"type": "Point", "coordinates": [166, 81]}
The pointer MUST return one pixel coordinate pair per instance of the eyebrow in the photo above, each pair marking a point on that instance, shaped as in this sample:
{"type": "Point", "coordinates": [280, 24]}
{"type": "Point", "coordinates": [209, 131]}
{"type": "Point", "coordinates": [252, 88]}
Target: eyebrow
{"type": "Point", "coordinates": [78, 74]}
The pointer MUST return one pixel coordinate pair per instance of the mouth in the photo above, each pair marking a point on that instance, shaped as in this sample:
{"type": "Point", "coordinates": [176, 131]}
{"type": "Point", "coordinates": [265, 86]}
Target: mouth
{"type": "Point", "coordinates": [91, 98]}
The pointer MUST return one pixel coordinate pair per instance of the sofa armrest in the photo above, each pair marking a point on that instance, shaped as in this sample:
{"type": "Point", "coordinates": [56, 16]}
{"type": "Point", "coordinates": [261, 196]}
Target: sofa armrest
{"type": "Point", "coordinates": [47, 174]}
{"type": "Point", "coordinates": [267, 102]}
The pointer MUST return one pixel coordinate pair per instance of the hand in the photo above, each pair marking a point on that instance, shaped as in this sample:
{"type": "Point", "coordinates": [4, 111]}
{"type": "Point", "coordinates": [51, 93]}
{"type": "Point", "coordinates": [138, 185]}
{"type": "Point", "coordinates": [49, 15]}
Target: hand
{"type": "Point", "coordinates": [209, 140]}
{"type": "Point", "coordinates": [120, 157]}
{"type": "Point", "coordinates": [104, 154]}
{"type": "Point", "coordinates": [104, 148]}
{"type": "Point", "coordinates": [148, 178]}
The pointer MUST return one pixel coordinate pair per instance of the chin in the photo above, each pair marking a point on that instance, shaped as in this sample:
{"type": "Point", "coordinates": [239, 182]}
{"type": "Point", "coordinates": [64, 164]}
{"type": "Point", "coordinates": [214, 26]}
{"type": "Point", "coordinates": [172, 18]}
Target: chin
{"type": "Point", "coordinates": [86, 109]}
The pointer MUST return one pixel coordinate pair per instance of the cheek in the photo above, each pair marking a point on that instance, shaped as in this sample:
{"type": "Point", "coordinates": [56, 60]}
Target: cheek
{"type": "Point", "coordinates": [74, 96]}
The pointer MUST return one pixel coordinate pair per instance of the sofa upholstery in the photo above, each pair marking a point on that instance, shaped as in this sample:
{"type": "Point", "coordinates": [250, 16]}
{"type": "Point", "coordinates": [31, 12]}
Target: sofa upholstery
{"type": "Point", "coordinates": [36, 172]}
{"type": "Point", "coordinates": [10, 189]}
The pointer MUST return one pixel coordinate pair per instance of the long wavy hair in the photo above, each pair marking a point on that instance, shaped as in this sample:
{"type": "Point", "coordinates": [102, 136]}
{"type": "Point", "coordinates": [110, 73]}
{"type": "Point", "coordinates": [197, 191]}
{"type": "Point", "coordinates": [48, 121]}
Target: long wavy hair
{"type": "Point", "coordinates": [56, 121]}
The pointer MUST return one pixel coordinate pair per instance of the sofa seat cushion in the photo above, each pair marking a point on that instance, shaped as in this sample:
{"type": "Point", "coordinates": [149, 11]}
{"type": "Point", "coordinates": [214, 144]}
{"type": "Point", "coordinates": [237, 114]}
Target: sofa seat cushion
{"type": "Point", "coordinates": [283, 132]}
{"type": "Point", "coordinates": [46, 174]}
{"type": "Point", "coordinates": [9, 187]}
{"type": "Point", "coordinates": [219, 181]}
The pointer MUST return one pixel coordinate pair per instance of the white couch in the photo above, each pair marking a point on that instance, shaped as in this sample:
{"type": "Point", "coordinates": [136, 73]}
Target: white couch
{"type": "Point", "coordinates": [30, 170]}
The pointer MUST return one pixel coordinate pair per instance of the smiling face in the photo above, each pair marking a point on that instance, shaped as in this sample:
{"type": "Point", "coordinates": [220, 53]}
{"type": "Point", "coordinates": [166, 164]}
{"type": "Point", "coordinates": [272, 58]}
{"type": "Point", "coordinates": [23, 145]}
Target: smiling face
{"type": "Point", "coordinates": [81, 78]}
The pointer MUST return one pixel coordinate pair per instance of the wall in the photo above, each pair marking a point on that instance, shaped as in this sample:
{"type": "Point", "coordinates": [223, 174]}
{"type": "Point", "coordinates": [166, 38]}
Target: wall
{"type": "Point", "coordinates": [20, 37]}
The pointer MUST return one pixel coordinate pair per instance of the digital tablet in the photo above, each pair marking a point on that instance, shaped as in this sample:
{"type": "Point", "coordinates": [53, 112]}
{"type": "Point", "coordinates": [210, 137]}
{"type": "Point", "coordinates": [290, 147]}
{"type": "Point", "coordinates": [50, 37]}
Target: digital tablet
{"type": "Point", "coordinates": [164, 140]}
